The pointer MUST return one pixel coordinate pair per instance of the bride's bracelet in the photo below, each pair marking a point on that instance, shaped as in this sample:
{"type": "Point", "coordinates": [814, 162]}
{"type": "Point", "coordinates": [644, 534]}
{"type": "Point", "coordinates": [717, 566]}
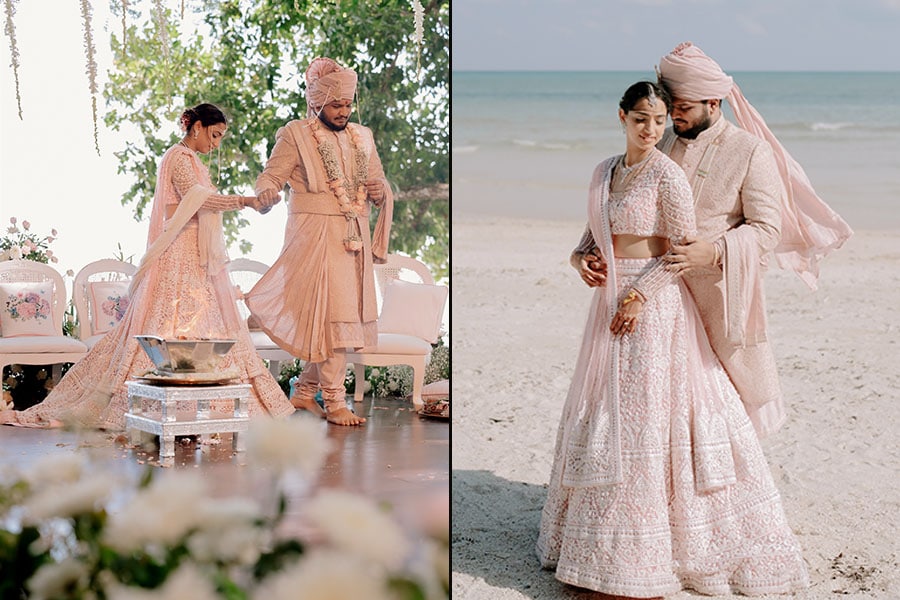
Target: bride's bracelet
{"type": "Point", "coordinates": [631, 297]}
{"type": "Point", "coordinates": [717, 253]}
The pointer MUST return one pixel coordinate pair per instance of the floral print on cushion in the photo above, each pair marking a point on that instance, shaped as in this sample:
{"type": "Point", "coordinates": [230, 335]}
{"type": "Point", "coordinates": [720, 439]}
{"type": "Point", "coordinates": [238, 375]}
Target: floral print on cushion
{"type": "Point", "coordinates": [109, 301]}
{"type": "Point", "coordinates": [26, 308]}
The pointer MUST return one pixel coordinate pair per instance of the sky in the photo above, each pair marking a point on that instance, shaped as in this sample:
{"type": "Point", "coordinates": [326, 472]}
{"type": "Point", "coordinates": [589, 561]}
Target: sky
{"type": "Point", "coordinates": [631, 35]}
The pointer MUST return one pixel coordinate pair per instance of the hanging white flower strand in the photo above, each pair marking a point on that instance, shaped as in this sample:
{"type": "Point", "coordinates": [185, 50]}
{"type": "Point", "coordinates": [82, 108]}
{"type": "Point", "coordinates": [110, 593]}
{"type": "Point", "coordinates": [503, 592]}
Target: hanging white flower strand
{"type": "Point", "coordinates": [162, 32]}
{"type": "Point", "coordinates": [91, 68]}
{"type": "Point", "coordinates": [418, 21]}
{"type": "Point", "coordinates": [124, 27]}
{"type": "Point", "coordinates": [10, 9]}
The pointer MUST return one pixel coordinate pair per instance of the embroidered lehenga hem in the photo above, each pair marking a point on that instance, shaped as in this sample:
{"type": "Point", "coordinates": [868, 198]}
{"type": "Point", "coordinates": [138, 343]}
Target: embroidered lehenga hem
{"type": "Point", "coordinates": [93, 394]}
{"type": "Point", "coordinates": [653, 533]}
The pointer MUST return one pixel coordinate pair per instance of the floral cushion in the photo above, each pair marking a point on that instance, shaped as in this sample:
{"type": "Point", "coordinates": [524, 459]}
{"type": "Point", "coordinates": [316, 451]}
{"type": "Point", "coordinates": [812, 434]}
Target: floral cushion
{"type": "Point", "coordinates": [413, 309]}
{"type": "Point", "coordinates": [109, 301]}
{"type": "Point", "coordinates": [26, 308]}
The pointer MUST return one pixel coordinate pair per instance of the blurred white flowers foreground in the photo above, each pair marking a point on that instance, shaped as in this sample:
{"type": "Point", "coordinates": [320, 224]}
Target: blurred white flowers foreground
{"type": "Point", "coordinates": [71, 530]}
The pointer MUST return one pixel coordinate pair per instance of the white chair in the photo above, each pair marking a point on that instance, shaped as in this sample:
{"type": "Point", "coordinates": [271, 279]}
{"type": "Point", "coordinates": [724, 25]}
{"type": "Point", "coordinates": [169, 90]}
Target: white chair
{"type": "Point", "coordinates": [40, 341]}
{"type": "Point", "coordinates": [409, 321]}
{"type": "Point", "coordinates": [245, 273]}
{"type": "Point", "coordinates": [91, 322]}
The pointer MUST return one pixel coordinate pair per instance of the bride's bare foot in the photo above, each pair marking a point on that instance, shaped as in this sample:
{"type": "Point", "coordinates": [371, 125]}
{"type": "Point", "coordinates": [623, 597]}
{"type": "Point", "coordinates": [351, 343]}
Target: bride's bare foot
{"type": "Point", "coordinates": [309, 404]}
{"type": "Point", "coordinates": [341, 415]}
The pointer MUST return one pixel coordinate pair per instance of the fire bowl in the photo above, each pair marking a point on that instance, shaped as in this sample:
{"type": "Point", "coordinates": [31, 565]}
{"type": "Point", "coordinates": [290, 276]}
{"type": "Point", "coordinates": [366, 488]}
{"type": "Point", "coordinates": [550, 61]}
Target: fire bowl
{"type": "Point", "coordinates": [185, 355]}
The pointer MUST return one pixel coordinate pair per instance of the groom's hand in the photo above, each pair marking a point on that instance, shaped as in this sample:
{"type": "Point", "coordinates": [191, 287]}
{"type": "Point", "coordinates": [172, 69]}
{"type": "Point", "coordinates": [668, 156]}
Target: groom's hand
{"type": "Point", "coordinates": [269, 198]}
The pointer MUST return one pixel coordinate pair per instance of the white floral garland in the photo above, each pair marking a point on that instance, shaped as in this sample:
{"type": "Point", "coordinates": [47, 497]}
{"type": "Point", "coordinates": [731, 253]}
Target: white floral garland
{"type": "Point", "coordinates": [91, 69]}
{"type": "Point", "coordinates": [9, 7]}
{"type": "Point", "coordinates": [338, 182]}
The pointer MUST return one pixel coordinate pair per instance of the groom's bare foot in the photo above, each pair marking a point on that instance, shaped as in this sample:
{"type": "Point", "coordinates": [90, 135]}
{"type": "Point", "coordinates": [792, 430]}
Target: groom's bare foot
{"type": "Point", "coordinates": [309, 404]}
{"type": "Point", "coordinates": [344, 416]}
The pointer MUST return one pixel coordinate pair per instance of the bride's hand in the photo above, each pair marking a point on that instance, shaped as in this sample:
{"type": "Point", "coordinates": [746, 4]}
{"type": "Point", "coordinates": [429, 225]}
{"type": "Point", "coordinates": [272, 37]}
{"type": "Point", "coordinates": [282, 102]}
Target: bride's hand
{"type": "Point", "coordinates": [255, 203]}
{"type": "Point", "coordinates": [626, 317]}
{"type": "Point", "coordinates": [593, 269]}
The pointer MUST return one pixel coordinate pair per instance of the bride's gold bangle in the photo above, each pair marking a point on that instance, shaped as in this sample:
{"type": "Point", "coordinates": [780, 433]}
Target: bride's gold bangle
{"type": "Point", "coordinates": [631, 297]}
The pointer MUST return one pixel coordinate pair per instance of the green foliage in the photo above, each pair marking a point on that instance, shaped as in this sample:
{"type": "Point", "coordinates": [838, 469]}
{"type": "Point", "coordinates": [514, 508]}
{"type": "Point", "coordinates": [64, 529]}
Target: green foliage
{"type": "Point", "coordinates": [278, 558]}
{"type": "Point", "coordinates": [251, 60]}
{"type": "Point", "coordinates": [438, 366]}
{"type": "Point", "coordinates": [393, 380]}
{"type": "Point", "coordinates": [289, 370]}
{"type": "Point", "coordinates": [17, 562]}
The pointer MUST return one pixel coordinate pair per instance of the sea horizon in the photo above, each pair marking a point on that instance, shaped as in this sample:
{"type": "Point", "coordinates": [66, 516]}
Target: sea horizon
{"type": "Point", "coordinates": [524, 143]}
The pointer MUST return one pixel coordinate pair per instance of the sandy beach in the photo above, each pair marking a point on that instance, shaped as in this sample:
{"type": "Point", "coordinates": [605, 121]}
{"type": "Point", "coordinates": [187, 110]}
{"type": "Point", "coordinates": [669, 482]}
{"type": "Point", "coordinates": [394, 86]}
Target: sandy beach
{"type": "Point", "coordinates": [517, 315]}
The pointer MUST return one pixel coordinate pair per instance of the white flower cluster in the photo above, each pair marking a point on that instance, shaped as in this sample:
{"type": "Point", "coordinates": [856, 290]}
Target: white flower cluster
{"type": "Point", "coordinates": [358, 525]}
{"type": "Point", "coordinates": [23, 243]}
{"type": "Point", "coordinates": [282, 445]}
{"type": "Point", "coordinates": [91, 533]}
{"type": "Point", "coordinates": [438, 366]}
{"type": "Point", "coordinates": [394, 380]}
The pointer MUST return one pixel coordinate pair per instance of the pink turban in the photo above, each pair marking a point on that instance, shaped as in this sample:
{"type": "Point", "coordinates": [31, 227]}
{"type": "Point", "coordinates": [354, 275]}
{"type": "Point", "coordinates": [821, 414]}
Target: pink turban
{"type": "Point", "coordinates": [809, 228]}
{"type": "Point", "coordinates": [327, 81]}
{"type": "Point", "coordinates": [691, 75]}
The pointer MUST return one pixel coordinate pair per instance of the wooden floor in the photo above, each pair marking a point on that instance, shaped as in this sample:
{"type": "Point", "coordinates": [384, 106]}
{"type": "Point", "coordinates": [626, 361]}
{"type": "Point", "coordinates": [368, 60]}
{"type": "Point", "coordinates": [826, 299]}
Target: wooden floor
{"type": "Point", "coordinates": [397, 457]}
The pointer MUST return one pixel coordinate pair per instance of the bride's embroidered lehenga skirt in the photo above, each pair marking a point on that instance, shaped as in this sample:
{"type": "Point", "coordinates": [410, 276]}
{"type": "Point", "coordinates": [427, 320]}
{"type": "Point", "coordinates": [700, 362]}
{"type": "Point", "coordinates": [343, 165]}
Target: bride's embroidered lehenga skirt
{"type": "Point", "coordinates": [176, 298]}
{"type": "Point", "coordinates": [669, 488]}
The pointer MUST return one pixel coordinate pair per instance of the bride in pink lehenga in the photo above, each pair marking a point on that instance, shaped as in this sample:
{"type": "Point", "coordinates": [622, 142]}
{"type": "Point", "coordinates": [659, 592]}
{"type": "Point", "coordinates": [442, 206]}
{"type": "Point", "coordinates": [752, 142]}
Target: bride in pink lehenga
{"type": "Point", "coordinates": [181, 288]}
{"type": "Point", "coordinates": [659, 482]}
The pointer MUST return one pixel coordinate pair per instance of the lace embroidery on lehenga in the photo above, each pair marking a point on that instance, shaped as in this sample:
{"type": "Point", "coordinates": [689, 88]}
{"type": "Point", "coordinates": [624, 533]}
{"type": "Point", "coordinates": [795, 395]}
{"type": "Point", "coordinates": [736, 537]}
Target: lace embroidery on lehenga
{"type": "Point", "coordinates": [669, 488]}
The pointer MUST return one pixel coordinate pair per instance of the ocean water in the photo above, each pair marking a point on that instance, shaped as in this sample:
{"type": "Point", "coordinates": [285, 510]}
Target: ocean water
{"type": "Point", "coordinates": [524, 143]}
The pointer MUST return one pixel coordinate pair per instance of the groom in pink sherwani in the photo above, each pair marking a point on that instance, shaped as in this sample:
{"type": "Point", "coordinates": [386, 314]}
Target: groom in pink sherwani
{"type": "Point", "coordinates": [751, 199]}
{"type": "Point", "coordinates": [318, 299]}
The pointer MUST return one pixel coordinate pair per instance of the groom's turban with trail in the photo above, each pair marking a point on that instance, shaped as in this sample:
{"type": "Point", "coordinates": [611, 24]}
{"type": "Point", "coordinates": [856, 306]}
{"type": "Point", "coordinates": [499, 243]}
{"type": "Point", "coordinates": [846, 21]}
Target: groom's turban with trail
{"type": "Point", "coordinates": [689, 74]}
{"type": "Point", "coordinates": [809, 228]}
{"type": "Point", "coordinates": [327, 81]}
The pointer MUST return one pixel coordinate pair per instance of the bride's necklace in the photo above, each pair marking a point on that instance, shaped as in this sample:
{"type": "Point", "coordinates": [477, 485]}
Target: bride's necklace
{"type": "Point", "coordinates": [624, 175]}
